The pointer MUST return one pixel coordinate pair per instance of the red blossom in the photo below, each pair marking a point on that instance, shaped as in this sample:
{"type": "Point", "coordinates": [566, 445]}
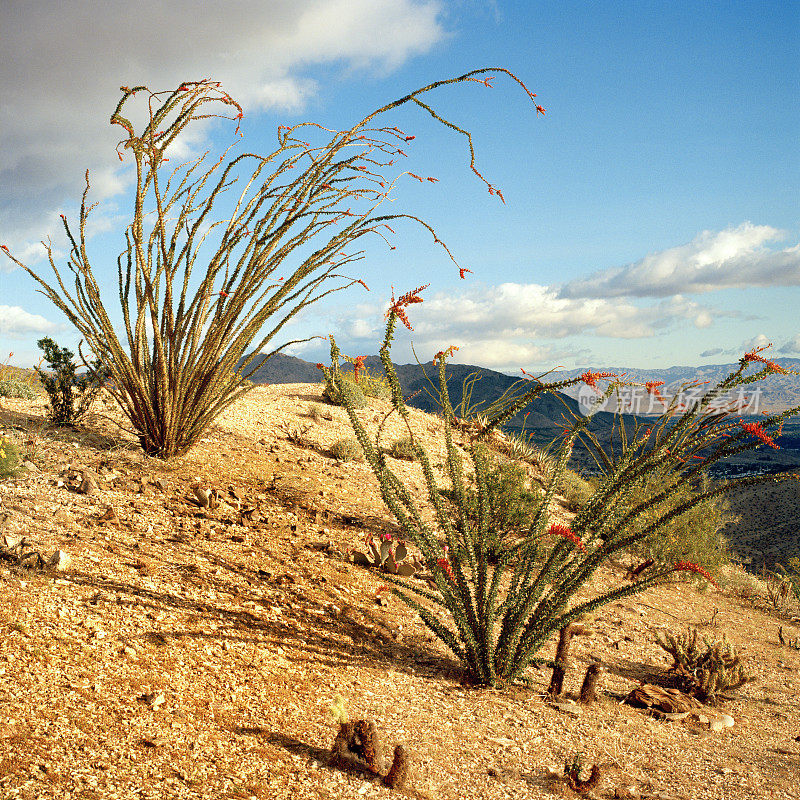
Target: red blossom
{"type": "Point", "coordinates": [320, 366]}
{"type": "Point", "coordinates": [421, 180]}
{"type": "Point", "coordinates": [566, 533]}
{"type": "Point", "coordinates": [688, 566]}
{"type": "Point", "coordinates": [462, 272]}
{"type": "Point", "coordinates": [432, 180]}
{"type": "Point", "coordinates": [591, 378]}
{"type": "Point", "coordinates": [3, 247]}
{"type": "Point", "coordinates": [755, 429]}
{"type": "Point", "coordinates": [407, 299]}
{"type": "Point", "coordinates": [500, 195]}
{"type": "Point", "coordinates": [539, 109]}
{"type": "Point", "coordinates": [652, 388]}
{"type": "Point", "coordinates": [444, 563]}
{"type": "Point", "coordinates": [410, 138]}
{"type": "Point", "coordinates": [445, 353]}
{"type": "Point", "coordinates": [363, 284]}
{"type": "Point", "coordinates": [358, 365]}
{"type": "Point", "coordinates": [770, 365]}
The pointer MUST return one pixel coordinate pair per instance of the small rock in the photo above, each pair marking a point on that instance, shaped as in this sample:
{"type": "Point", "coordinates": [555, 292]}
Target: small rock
{"type": "Point", "coordinates": [568, 707]}
{"type": "Point", "coordinates": [59, 560]}
{"type": "Point", "coordinates": [153, 699]}
{"type": "Point", "coordinates": [88, 484]}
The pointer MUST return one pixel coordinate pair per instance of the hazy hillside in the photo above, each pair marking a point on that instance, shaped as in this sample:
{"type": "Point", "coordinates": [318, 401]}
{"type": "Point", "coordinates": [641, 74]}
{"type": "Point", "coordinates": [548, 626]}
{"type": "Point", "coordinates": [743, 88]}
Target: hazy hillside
{"type": "Point", "coordinates": [774, 394]}
{"type": "Point", "coordinates": [542, 420]}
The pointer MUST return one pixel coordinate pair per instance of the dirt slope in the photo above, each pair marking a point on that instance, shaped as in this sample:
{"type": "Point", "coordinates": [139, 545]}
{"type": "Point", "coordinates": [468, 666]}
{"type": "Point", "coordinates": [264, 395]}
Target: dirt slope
{"type": "Point", "coordinates": [193, 652]}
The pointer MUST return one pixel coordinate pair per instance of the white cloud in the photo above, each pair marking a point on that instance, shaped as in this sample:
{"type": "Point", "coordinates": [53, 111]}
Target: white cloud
{"type": "Point", "coordinates": [17, 323]}
{"type": "Point", "coordinates": [63, 64]}
{"type": "Point", "coordinates": [756, 342]}
{"type": "Point", "coordinates": [511, 325]}
{"type": "Point", "coordinates": [735, 258]}
{"type": "Point", "coordinates": [792, 346]}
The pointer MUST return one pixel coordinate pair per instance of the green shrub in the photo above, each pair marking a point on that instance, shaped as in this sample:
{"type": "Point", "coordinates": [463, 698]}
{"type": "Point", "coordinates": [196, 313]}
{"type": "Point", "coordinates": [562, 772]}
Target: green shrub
{"type": "Point", "coordinates": [510, 504]}
{"type": "Point", "coordinates": [9, 456]}
{"type": "Point", "coordinates": [405, 449]}
{"type": "Point", "coordinates": [694, 536]}
{"type": "Point", "coordinates": [347, 450]}
{"type": "Point", "coordinates": [575, 489]}
{"type": "Point", "coordinates": [70, 395]}
{"type": "Point", "coordinates": [495, 617]}
{"type": "Point", "coordinates": [791, 573]}
{"type": "Point", "coordinates": [14, 387]}
{"type": "Point", "coordinates": [333, 393]}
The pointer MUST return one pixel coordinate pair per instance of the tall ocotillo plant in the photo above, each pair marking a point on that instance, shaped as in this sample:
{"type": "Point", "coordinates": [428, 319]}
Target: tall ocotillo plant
{"type": "Point", "coordinates": [178, 364]}
{"type": "Point", "coordinates": [503, 609]}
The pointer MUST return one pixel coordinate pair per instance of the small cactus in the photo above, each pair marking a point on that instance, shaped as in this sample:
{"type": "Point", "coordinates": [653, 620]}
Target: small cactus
{"type": "Point", "coordinates": [706, 667]}
{"type": "Point", "coordinates": [357, 747]}
{"type": "Point", "coordinates": [386, 557]}
{"type": "Point", "coordinates": [572, 772]}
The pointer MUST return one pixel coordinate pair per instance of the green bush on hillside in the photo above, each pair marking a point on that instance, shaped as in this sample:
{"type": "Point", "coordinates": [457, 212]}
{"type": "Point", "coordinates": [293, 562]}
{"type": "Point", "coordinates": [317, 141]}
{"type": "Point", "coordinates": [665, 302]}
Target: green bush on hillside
{"type": "Point", "coordinates": [9, 457]}
{"type": "Point", "coordinates": [510, 504]}
{"type": "Point", "coordinates": [14, 387]}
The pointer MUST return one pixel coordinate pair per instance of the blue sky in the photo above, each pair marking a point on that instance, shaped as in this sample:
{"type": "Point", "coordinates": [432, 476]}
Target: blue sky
{"type": "Point", "coordinates": [652, 215]}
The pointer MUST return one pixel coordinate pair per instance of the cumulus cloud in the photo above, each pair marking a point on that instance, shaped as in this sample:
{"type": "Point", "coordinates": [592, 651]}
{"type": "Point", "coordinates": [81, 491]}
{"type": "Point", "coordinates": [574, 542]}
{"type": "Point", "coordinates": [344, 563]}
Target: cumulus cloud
{"type": "Point", "coordinates": [505, 326]}
{"type": "Point", "coordinates": [17, 323]}
{"type": "Point", "coordinates": [61, 79]}
{"type": "Point", "coordinates": [736, 258]}
{"type": "Point", "coordinates": [792, 346]}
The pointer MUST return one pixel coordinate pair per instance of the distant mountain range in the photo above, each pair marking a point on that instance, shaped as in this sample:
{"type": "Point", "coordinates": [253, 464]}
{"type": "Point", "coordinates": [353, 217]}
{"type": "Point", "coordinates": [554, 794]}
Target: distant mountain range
{"type": "Point", "coordinates": [543, 419]}
{"type": "Point", "coordinates": [773, 394]}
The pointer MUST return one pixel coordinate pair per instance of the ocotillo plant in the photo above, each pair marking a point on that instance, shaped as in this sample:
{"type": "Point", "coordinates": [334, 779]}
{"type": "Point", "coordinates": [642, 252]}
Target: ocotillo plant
{"type": "Point", "coordinates": [503, 609]}
{"type": "Point", "coordinates": [291, 234]}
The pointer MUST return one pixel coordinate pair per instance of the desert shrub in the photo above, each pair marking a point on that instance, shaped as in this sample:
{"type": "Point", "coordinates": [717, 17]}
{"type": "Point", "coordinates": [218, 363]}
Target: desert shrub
{"type": "Point", "coordinates": [575, 489]}
{"type": "Point", "coordinates": [498, 615]}
{"type": "Point", "coordinates": [317, 412]}
{"type": "Point", "coordinates": [706, 667]}
{"type": "Point", "coordinates": [334, 394]}
{"type": "Point", "coordinates": [694, 536]}
{"type": "Point", "coordinates": [9, 456]}
{"type": "Point", "coordinates": [509, 503]}
{"type": "Point", "coordinates": [182, 356]}
{"type": "Point", "coordinates": [70, 395]}
{"type": "Point", "coordinates": [347, 450]}
{"type": "Point", "coordinates": [14, 387]}
{"type": "Point", "coordinates": [404, 448]}
{"type": "Point", "coordinates": [790, 573]}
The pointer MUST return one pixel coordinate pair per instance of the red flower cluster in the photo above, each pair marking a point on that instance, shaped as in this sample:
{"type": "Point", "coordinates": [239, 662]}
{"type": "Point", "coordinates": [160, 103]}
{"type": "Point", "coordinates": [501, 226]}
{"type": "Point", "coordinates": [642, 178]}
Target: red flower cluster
{"type": "Point", "coordinates": [771, 365]}
{"type": "Point", "coordinates": [566, 533]}
{"type": "Point", "coordinates": [688, 566]}
{"type": "Point", "coordinates": [652, 388]}
{"type": "Point", "coordinates": [358, 365]}
{"type": "Point", "coordinates": [445, 353]}
{"type": "Point", "coordinates": [591, 378]}
{"type": "Point", "coordinates": [755, 429]}
{"type": "Point", "coordinates": [398, 306]}
{"type": "Point", "coordinates": [445, 565]}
